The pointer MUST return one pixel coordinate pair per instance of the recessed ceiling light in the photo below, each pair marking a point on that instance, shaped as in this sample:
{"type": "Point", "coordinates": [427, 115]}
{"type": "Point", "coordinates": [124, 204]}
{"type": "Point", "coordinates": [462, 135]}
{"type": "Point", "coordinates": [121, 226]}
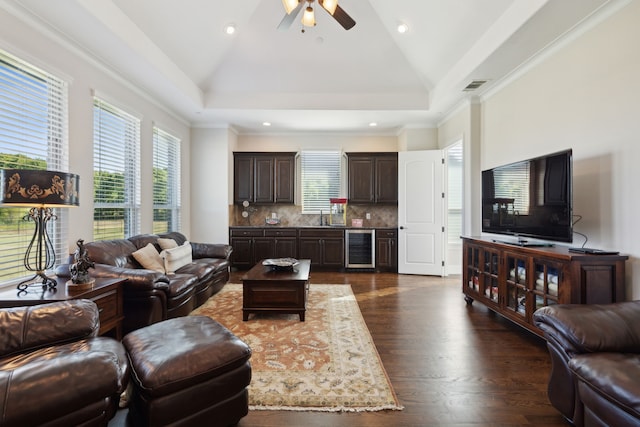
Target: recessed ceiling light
{"type": "Point", "coordinates": [230, 29]}
{"type": "Point", "coordinates": [373, 124]}
{"type": "Point", "coordinates": [266, 123]}
{"type": "Point", "coordinates": [402, 28]}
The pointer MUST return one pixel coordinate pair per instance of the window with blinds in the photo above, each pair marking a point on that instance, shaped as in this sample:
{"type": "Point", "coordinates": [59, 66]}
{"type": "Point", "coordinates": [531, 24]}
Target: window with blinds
{"type": "Point", "coordinates": [116, 172]}
{"type": "Point", "coordinates": [321, 179]}
{"type": "Point", "coordinates": [454, 193]}
{"type": "Point", "coordinates": [513, 182]}
{"type": "Point", "coordinates": [33, 135]}
{"type": "Point", "coordinates": [166, 182]}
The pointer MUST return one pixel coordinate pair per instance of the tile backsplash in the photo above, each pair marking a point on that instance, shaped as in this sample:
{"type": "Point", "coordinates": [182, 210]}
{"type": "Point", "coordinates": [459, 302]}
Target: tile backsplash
{"type": "Point", "coordinates": [291, 215]}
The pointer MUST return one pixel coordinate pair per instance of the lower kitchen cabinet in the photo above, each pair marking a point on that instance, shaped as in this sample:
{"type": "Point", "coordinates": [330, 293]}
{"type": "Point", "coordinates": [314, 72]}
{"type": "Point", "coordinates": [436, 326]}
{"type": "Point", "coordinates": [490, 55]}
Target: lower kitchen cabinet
{"type": "Point", "coordinates": [324, 247]}
{"type": "Point", "coordinates": [387, 250]}
{"type": "Point", "coordinates": [252, 244]}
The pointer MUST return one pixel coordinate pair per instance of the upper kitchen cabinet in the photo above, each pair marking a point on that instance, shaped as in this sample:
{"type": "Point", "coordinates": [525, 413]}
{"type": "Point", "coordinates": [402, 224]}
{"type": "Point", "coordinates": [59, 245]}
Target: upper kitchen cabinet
{"type": "Point", "coordinates": [373, 178]}
{"type": "Point", "coordinates": [264, 178]}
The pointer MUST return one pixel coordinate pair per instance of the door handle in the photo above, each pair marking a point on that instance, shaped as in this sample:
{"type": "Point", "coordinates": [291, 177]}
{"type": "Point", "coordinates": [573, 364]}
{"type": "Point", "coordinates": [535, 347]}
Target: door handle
{"type": "Point", "coordinates": [401, 227]}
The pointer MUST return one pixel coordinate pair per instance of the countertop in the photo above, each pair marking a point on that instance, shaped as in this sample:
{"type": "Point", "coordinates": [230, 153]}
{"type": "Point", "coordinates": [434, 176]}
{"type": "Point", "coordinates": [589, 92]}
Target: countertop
{"type": "Point", "coordinates": [316, 226]}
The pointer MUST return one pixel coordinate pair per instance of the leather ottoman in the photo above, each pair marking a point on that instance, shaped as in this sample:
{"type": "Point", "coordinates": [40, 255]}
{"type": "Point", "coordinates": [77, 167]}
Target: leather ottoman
{"type": "Point", "coordinates": [187, 371]}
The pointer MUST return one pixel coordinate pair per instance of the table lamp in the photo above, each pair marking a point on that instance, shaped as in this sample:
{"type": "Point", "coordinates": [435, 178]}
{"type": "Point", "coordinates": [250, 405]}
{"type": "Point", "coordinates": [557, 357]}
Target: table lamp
{"type": "Point", "coordinates": [42, 190]}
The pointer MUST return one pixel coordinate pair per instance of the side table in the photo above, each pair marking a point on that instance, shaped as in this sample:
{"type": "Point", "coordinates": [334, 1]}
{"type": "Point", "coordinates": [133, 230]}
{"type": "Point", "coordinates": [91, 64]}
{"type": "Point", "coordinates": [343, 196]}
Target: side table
{"type": "Point", "coordinates": [106, 293]}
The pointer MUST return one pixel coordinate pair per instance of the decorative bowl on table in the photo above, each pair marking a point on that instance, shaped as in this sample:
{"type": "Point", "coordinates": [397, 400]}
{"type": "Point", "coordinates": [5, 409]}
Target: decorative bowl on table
{"type": "Point", "coordinates": [280, 263]}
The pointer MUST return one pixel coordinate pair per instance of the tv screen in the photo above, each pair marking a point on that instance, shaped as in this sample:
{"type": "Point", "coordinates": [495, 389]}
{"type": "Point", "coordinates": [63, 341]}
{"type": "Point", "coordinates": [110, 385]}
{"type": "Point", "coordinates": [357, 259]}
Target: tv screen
{"type": "Point", "coordinates": [531, 198]}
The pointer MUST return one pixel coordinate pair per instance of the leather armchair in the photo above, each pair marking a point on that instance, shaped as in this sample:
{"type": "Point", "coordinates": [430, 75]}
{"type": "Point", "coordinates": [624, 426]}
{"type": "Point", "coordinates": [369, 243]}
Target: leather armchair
{"type": "Point", "coordinates": [595, 354]}
{"type": "Point", "coordinates": [55, 370]}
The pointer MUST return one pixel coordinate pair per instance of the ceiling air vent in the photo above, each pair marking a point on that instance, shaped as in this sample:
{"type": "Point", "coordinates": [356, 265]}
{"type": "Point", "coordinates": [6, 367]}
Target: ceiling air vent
{"type": "Point", "coordinates": [475, 84]}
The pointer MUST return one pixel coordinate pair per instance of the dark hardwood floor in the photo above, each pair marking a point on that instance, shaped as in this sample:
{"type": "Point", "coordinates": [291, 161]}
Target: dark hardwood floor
{"type": "Point", "coordinates": [450, 364]}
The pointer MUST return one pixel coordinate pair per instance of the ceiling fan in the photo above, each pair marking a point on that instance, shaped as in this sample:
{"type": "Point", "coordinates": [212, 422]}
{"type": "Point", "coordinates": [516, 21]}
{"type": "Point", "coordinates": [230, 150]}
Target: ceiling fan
{"type": "Point", "coordinates": [293, 7]}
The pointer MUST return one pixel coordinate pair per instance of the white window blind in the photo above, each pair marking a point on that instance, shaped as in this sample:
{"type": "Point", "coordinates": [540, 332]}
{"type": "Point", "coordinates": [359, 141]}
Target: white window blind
{"type": "Point", "coordinates": [116, 174]}
{"type": "Point", "coordinates": [513, 182]}
{"type": "Point", "coordinates": [454, 193]}
{"type": "Point", "coordinates": [321, 179]}
{"type": "Point", "coordinates": [33, 135]}
{"type": "Point", "coordinates": [166, 182]}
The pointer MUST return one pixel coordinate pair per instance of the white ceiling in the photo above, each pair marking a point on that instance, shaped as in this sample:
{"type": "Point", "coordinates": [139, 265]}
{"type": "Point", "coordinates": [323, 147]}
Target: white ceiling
{"type": "Point", "coordinates": [325, 79]}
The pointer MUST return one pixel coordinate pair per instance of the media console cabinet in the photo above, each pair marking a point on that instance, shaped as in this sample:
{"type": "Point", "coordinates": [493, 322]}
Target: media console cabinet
{"type": "Point", "coordinates": [514, 281]}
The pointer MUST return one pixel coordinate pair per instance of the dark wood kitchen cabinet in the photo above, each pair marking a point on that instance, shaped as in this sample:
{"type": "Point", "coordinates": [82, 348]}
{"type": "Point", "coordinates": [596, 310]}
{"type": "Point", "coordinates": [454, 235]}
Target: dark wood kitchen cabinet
{"type": "Point", "coordinates": [323, 246]}
{"type": "Point", "coordinates": [263, 178]}
{"type": "Point", "coordinates": [252, 244]}
{"type": "Point", "coordinates": [373, 178]}
{"type": "Point", "coordinates": [387, 250]}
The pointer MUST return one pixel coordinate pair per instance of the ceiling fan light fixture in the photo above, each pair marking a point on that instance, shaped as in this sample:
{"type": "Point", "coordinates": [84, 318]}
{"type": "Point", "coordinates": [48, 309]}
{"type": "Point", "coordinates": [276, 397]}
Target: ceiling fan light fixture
{"type": "Point", "coordinates": [308, 18]}
{"type": "Point", "coordinates": [289, 5]}
{"type": "Point", "coordinates": [329, 5]}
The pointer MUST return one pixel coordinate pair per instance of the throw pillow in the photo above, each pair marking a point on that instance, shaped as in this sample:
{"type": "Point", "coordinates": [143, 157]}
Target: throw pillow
{"type": "Point", "coordinates": [149, 258]}
{"type": "Point", "coordinates": [176, 257]}
{"type": "Point", "coordinates": [167, 243]}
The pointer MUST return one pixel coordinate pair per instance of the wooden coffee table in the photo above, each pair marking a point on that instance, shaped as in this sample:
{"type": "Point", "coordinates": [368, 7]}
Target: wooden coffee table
{"type": "Point", "coordinates": [277, 291]}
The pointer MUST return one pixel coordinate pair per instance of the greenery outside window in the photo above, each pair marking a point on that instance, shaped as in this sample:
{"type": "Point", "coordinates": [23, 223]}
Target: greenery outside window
{"type": "Point", "coordinates": [33, 135]}
{"type": "Point", "coordinates": [166, 182]}
{"type": "Point", "coordinates": [116, 174]}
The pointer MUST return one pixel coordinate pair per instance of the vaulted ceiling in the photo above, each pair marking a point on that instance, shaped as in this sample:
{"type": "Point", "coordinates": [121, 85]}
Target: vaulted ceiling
{"type": "Point", "coordinates": [325, 79]}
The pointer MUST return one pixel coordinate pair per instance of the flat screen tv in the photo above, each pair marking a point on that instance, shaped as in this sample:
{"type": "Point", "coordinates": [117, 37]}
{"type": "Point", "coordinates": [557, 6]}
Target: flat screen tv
{"type": "Point", "coordinates": [530, 199]}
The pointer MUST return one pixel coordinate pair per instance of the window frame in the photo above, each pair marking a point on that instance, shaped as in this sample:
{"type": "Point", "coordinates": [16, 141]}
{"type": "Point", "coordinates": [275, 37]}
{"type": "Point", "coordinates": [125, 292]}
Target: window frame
{"type": "Point", "coordinates": [115, 132]}
{"type": "Point", "coordinates": [34, 112]}
{"type": "Point", "coordinates": [336, 173]}
{"type": "Point", "coordinates": [167, 149]}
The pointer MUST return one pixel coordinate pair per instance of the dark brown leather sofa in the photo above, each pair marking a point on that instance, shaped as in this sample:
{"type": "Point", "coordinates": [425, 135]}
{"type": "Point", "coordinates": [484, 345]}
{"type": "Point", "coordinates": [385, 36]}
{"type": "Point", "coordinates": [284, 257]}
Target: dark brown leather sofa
{"type": "Point", "coordinates": [152, 296]}
{"type": "Point", "coordinates": [595, 354]}
{"type": "Point", "coordinates": [54, 370]}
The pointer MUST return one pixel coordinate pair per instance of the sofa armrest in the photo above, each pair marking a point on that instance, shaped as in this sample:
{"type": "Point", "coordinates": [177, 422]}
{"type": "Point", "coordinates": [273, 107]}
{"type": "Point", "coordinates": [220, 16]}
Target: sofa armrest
{"type": "Point", "coordinates": [211, 250]}
{"type": "Point", "coordinates": [138, 279]}
{"type": "Point", "coordinates": [29, 328]}
{"type": "Point", "coordinates": [590, 328]}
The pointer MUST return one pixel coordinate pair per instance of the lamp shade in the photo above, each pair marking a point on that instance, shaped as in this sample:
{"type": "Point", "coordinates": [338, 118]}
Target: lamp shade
{"type": "Point", "coordinates": [289, 5]}
{"type": "Point", "coordinates": [308, 17]}
{"type": "Point", "coordinates": [329, 5]}
{"type": "Point", "coordinates": [39, 188]}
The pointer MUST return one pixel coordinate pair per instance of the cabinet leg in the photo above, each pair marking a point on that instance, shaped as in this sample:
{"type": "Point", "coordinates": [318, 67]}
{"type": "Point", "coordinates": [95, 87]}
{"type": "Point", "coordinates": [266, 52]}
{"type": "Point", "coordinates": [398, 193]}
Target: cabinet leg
{"type": "Point", "coordinates": [468, 299]}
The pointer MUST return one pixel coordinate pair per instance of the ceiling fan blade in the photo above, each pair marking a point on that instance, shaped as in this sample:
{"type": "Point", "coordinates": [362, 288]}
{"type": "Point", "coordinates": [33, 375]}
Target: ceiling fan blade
{"type": "Point", "coordinates": [288, 19]}
{"type": "Point", "coordinates": [343, 18]}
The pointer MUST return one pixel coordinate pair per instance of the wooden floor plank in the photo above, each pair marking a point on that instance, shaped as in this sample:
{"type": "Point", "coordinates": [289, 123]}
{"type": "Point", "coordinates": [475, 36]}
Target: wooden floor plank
{"type": "Point", "coordinates": [450, 364]}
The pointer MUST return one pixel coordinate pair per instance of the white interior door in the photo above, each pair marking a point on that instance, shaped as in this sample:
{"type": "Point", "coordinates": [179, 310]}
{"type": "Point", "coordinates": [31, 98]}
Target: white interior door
{"type": "Point", "coordinates": [421, 212]}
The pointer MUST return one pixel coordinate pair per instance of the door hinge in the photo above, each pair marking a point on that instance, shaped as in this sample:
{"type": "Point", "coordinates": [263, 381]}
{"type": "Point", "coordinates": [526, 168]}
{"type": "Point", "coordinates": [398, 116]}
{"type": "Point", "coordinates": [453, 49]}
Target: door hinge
{"type": "Point", "coordinates": [443, 229]}
{"type": "Point", "coordinates": [443, 160]}
{"type": "Point", "coordinates": [443, 195]}
{"type": "Point", "coordinates": [443, 263]}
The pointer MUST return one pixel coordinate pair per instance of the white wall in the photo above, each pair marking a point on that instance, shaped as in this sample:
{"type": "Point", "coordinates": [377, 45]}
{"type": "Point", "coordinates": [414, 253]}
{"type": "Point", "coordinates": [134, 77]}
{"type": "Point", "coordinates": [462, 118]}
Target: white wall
{"type": "Point", "coordinates": [210, 174]}
{"type": "Point", "coordinates": [84, 77]}
{"type": "Point", "coordinates": [418, 139]}
{"type": "Point", "coordinates": [584, 96]}
{"type": "Point", "coordinates": [297, 142]}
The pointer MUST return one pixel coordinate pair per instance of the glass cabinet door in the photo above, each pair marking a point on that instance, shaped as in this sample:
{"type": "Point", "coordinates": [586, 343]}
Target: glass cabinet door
{"type": "Point", "coordinates": [489, 282]}
{"type": "Point", "coordinates": [473, 268]}
{"type": "Point", "coordinates": [546, 281]}
{"type": "Point", "coordinates": [516, 284]}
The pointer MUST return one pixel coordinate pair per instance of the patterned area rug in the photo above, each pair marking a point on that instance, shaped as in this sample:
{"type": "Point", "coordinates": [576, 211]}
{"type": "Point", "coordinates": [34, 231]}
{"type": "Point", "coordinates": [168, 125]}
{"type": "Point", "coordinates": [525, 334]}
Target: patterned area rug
{"type": "Point", "coordinates": [326, 363]}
